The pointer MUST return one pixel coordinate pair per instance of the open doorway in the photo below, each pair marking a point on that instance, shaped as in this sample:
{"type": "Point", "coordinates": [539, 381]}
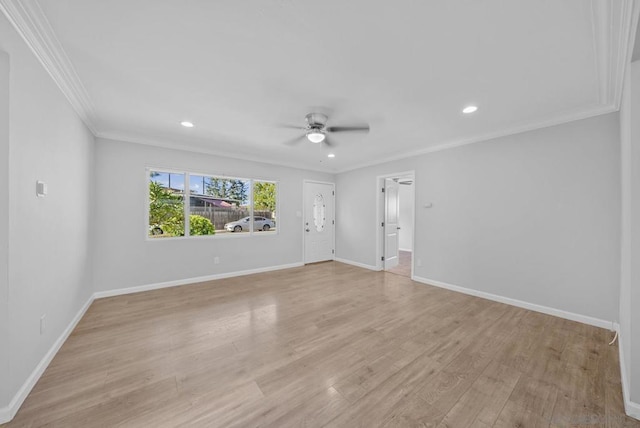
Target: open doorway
{"type": "Point", "coordinates": [396, 210]}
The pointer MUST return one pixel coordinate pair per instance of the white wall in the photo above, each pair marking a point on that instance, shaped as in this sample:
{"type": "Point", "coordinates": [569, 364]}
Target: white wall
{"type": "Point", "coordinates": [4, 228]}
{"type": "Point", "coordinates": [49, 238]}
{"type": "Point", "coordinates": [125, 258]}
{"type": "Point", "coordinates": [634, 362]}
{"type": "Point", "coordinates": [533, 216]}
{"type": "Point", "coordinates": [630, 280]}
{"type": "Point", "coordinates": [405, 195]}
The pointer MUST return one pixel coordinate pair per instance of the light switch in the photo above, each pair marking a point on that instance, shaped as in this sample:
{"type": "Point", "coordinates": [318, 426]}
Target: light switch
{"type": "Point", "coordinates": [41, 189]}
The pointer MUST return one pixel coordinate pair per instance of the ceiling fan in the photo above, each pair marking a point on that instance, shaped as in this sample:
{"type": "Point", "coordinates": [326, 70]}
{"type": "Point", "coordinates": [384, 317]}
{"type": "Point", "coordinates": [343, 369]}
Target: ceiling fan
{"type": "Point", "coordinates": [316, 130]}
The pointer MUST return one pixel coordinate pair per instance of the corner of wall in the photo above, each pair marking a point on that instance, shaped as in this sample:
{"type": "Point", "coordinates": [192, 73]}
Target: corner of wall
{"type": "Point", "coordinates": [631, 408]}
{"type": "Point", "coordinates": [629, 344]}
{"type": "Point", "coordinates": [4, 231]}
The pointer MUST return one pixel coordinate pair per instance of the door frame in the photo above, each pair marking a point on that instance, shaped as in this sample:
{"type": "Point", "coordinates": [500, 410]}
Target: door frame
{"type": "Point", "coordinates": [380, 212]}
{"type": "Point", "coordinates": [304, 216]}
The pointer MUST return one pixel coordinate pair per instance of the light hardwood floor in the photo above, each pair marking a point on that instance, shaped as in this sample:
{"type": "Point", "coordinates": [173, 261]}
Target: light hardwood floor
{"type": "Point", "coordinates": [325, 345]}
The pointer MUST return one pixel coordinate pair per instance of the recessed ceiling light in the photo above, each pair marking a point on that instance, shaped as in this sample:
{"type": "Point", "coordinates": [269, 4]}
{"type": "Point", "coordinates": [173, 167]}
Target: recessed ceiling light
{"type": "Point", "coordinates": [469, 109]}
{"type": "Point", "coordinates": [186, 124]}
{"type": "Point", "coordinates": [331, 155]}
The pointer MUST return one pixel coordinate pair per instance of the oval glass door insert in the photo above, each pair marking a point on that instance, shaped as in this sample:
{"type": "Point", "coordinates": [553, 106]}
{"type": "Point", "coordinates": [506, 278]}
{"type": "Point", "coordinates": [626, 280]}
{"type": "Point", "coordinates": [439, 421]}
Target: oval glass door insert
{"type": "Point", "coordinates": [318, 212]}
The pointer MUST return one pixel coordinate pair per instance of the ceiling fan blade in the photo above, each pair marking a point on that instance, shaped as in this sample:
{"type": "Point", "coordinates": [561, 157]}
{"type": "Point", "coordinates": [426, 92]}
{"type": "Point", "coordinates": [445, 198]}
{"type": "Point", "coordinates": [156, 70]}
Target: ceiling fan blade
{"type": "Point", "coordinates": [287, 126]}
{"type": "Point", "coordinates": [327, 142]}
{"type": "Point", "coordinates": [296, 140]}
{"type": "Point", "coordinates": [364, 128]}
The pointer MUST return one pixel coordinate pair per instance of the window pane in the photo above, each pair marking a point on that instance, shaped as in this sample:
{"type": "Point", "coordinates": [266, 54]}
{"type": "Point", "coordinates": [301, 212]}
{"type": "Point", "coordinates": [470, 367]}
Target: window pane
{"type": "Point", "coordinates": [221, 202]}
{"type": "Point", "coordinates": [166, 204]}
{"type": "Point", "coordinates": [264, 206]}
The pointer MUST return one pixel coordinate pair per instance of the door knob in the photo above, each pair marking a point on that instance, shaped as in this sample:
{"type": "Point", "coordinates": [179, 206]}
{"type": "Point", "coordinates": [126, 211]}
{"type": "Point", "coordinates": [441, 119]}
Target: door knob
{"type": "Point", "coordinates": [307, 229]}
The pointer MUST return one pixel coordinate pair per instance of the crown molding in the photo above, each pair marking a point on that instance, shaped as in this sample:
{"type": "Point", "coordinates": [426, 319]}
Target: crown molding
{"type": "Point", "coordinates": [185, 147]}
{"type": "Point", "coordinates": [554, 120]}
{"type": "Point", "coordinates": [613, 23]}
{"type": "Point", "coordinates": [601, 26]}
{"type": "Point", "coordinates": [30, 22]}
{"type": "Point", "coordinates": [635, 21]}
{"type": "Point", "coordinates": [623, 40]}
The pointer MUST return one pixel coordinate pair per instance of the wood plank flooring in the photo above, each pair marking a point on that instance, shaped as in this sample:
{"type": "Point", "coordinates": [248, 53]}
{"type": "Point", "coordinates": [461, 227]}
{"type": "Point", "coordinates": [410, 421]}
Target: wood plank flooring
{"type": "Point", "coordinates": [325, 345]}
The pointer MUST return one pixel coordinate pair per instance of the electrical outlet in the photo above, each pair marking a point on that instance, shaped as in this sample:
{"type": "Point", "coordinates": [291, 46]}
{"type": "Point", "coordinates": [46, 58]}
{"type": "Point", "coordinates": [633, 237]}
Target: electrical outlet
{"type": "Point", "coordinates": [419, 262]}
{"type": "Point", "coordinates": [42, 324]}
{"type": "Point", "coordinates": [216, 260]}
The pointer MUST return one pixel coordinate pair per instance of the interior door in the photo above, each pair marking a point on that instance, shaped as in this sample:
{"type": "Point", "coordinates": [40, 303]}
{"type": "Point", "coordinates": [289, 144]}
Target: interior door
{"type": "Point", "coordinates": [319, 221]}
{"type": "Point", "coordinates": [391, 220]}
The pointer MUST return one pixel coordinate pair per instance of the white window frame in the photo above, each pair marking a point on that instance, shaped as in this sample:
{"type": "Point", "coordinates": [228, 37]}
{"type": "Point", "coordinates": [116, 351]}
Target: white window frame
{"type": "Point", "coordinates": [187, 205]}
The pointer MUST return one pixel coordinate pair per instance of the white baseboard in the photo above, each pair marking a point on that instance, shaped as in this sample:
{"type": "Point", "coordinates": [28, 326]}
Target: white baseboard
{"type": "Point", "coordinates": [358, 264]}
{"type": "Point", "coordinates": [631, 408]}
{"type": "Point", "coordinates": [156, 286]}
{"type": "Point", "coordinates": [521, 304]}
{"type": "Point", "coordinates": [7, 413]}
{"type": "Point", "coordinates": [409, 250]}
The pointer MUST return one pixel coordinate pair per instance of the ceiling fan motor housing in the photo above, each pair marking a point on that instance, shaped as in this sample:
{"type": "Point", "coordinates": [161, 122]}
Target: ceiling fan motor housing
{"type": "Point", "coordinates": [316, 120]}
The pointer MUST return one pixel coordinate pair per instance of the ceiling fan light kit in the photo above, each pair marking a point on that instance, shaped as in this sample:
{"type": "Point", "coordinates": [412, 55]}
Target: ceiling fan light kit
{"type": "Point", "coordinates": [315, 136]}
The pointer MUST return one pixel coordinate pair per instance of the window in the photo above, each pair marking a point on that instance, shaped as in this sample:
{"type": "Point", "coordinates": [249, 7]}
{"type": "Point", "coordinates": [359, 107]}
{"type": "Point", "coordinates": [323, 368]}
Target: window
{"type": "Point", "coordinates": [223, 201]}
{"type": "Point", "coordinates": [264, 205]}
{"type": "Point", "coordinates": [166, 204]}
{"type": "Point", "coordinates": [217, 205]}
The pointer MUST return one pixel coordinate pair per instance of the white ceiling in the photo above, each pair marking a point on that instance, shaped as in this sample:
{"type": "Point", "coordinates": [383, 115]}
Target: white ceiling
{"type": "Point", "coordinates": [238, 69]}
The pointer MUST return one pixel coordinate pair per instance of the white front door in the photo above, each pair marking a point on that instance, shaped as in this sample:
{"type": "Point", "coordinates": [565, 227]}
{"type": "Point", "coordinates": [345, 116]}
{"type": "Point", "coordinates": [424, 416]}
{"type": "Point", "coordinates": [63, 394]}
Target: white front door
{"type": "Point", "coordinates": [391, 220]}
{"type": "Point", "coordinates": [318, 221]}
